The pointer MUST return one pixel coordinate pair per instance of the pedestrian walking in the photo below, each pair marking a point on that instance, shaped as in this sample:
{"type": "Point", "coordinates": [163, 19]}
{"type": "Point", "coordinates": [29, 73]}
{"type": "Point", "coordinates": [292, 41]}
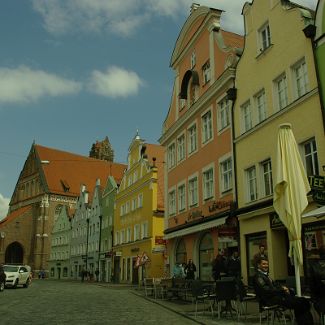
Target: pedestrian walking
{"type": "Point", "coordinates": [190, 270]}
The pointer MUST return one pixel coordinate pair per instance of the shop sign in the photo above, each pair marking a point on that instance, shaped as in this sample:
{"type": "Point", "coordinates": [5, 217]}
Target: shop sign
{"type": "Point", "coordinates": [158, 249]}
{"type": "Point", "coordinates": [218, 205]}
{"type": "Point", "coordinates": [159, 240]}
{"type": "Point", "coordinates": [314, 227]}
{"type": "Point", "coordinates": [135, 249]}
{"type": "Point", "coordinates": [275, 221]}
{"type": "Point", "coordinates": [118, 253]}
{"type": "Point", "coordinates": [58, 264]}
{"type": "Point", "coordinates": [227, 231]}
{"type": "Point", "coordinates": [317, 185]}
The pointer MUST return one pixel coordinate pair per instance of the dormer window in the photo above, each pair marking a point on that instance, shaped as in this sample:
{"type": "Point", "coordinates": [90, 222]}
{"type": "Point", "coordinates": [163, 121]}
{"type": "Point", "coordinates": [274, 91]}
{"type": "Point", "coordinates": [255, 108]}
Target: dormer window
{"type": "Point", "coordinates": [65, 185]}
{"type": "Point", "coordinates": [264, 37]}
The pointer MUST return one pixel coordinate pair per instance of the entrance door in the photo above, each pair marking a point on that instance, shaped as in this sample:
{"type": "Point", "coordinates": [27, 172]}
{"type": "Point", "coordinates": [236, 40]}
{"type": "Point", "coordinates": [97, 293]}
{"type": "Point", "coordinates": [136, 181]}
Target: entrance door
{"type": "Point", "coordinates": [135, 271]}
{"type": "Point", "coordinates": [59, 273]}
{"type": "Point", "coordinates": [117, 269]}
{"type": "Point", "coordinates": [14, 254]}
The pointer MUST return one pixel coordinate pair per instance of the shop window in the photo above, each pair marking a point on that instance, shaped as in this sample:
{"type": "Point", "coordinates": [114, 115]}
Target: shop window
{"type": "Point", "coordinates": [65, 271]}
{"type": "Point", "coordinates": [206, 257]}
{"type": "Point", "coordinates": [181, 255]}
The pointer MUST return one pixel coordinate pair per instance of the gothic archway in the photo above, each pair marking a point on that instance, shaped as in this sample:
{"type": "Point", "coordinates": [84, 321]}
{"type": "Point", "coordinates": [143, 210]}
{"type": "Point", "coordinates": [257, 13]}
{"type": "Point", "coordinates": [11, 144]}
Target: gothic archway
{"type": "Point", "coordinates": [14, 253]}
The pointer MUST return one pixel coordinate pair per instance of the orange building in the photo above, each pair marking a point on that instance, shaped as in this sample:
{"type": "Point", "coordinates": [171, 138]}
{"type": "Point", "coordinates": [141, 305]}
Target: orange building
{"type": "Point", "coordinates": [49, 180]}
{"type": "Point", "coordinates": [197, 136]}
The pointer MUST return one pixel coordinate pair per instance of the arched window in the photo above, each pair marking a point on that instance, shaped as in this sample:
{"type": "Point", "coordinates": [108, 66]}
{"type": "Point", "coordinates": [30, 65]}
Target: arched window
{"type": "Point", "coordinates": [181, 255]}
{"type": "Point", "coordinates": [206, 257]}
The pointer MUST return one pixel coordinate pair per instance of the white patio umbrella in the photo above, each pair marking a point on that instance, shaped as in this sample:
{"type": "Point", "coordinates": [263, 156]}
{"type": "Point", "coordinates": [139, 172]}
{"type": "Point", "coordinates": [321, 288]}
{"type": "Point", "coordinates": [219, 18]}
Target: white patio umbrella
{"type": "Point", "coordinates": [290, 193]}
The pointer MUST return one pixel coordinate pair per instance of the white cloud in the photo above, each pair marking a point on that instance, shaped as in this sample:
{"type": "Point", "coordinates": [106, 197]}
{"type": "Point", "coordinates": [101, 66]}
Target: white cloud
{"type": "Point", "coordinates": [124, 17]}
{"type": "Point", "coordinates": [115, 82]}
{"type": "Point", "coordinates": [23, 85]}
{"type": "Point", "coordinates": [4, 205]}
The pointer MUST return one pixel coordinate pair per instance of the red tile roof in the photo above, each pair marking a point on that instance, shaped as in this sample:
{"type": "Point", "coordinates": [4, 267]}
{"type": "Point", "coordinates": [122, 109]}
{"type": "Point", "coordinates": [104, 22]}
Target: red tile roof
{"type": "Point", "coordinates": [14, 215]}
{"type": "Point", "coordinates": [65, 172]}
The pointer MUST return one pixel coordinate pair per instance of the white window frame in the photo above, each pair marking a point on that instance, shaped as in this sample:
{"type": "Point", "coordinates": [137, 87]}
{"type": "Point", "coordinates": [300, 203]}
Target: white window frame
{"type": "Point", "coordinates": [226, 175]}
{"type": "Point", "coordinates": [140, 200]}
{"type": "Point", "coordinates": [181, 147]}
{"type": "Point", "coordinates": [207, 126]}
{"type": "Point", "coordinates": [223, 107]}
{"type": "Point", "coordinates": [266, 177]}
{"type": "Point", "coordinates": [264, 35]}
{"type": "Point", "coordinates": [246, 116]}
{"type": "Point", "coordinates": [208, 182]}
{"type": "Point", "coordinates": [171, 155]}
{"type": "Point", "coordinates": [181, 196]}
{"type": "Point", "coordinates": [144, 230]}
{"type": "Point", "coordinates": [172, 201]}
{"type": "Point", "coordinates": [128, 234]}
{"type": "Point", "coordinates": [251, 184]}
{"type": "Point", "coordinates": [192, 139]}
{"type": "Point", "coordinates": [260, 104]}
{"type": "Point", "coordinates": [281, 91]}
{"type": "Point", "coordinates": [300, 78]}
{"type": "Point", "coordinates": [193, 193]}
{"type": "Point", "coordinates": [137, 232]}
{"type": "Point", "coordinates": [312, 168]}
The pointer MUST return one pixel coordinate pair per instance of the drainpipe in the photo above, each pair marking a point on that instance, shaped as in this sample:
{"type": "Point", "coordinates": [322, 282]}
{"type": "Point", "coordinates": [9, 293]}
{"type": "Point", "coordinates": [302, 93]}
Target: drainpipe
{"type": "Point", "coordinates": [87, 244]}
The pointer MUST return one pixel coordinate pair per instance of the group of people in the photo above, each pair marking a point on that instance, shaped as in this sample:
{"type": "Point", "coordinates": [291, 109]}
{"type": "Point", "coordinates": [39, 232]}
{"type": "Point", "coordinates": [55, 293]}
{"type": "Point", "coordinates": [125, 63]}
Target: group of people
{"type": "Point", "coordinates": [185, 271]}
{"type": "Point", "coordinates": [226, 266]}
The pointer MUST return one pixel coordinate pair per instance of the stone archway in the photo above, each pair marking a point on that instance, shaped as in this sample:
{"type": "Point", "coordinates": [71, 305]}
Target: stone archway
{"type": "Point", "coordinates": [14, 253]}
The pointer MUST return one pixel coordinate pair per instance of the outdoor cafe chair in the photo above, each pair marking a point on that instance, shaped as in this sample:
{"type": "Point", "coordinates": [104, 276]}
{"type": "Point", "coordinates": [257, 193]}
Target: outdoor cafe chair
{"type": "Point", "coordinates": [149, 287]}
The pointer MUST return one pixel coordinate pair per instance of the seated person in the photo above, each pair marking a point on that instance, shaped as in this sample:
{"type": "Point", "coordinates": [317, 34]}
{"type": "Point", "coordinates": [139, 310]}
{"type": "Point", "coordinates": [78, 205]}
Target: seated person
{"type": "Point", "coordinates": [317, 281]}
{"type": "Point", "coordinates": [269, 293]}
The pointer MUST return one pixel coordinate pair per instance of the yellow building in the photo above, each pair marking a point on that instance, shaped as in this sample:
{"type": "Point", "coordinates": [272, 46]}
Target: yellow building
{"type": "Point", "coordinates": [139, 215]}
{"type": "Point", "coordinates": [276, 83]}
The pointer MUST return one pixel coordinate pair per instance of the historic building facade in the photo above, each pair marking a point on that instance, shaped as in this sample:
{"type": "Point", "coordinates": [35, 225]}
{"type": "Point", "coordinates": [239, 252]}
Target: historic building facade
{"type": "Point", "coordinates": [139, 215]}
{"type": "Point", "coordinates": [197, 137]}
{"type": "Point", "coordinates": [276, 83]}
{"type": "Point", "coordinates": [49, 180]}
{"type": "Point", "coordinates": [59, 261]}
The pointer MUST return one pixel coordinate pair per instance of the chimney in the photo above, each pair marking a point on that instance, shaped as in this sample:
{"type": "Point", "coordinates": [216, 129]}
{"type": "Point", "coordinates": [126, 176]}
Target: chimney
{"type": "Point", "coordinates": [98, 182]}
{"type": "Point", "coordinates": [194, 6]}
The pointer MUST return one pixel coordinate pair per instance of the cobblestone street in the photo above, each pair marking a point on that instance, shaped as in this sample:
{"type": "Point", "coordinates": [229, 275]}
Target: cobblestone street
{"type": "Point", "coordinates": [50, 302]}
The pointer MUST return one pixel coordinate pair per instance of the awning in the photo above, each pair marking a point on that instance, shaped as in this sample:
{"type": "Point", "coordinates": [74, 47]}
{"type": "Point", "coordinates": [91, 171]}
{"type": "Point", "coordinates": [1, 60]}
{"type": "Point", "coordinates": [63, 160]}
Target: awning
{"type": "Point", "coordinates": [318, 213]}
{"type": "Point", "coordinates": [196, 228]}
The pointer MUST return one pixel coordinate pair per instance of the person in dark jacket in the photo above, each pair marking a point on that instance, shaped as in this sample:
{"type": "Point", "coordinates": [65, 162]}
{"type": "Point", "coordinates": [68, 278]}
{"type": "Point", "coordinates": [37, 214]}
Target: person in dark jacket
{"type": "Point", "coordinates": [233, 267]}
{"type": "Point", "coordinates": [2, 278]}
{"type": "Point", "coordinates": [190, 270]}
{"type": "Point", "coordinates": [317, 281]}
{"type": "Point", "coordinates": [218, 267]}
{"type": "Point", "coordinates": [270, 293]}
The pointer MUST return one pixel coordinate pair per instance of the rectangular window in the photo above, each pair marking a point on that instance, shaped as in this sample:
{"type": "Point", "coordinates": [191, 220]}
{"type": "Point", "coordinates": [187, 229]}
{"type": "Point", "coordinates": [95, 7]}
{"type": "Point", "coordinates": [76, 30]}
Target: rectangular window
{"type": "Point", "coordinates": [192, 192]}
{"type": "Point", "coordinates": [171, 155]}
{"type": "Point", "coordinates": [192, 139]}
{"type": "Point", "coordinates": [266, 169]}
{"type": "Point", "coordinates": [134, 203]}
{"type": "Point", "coordinates": [181, 148]}
{"type": "Point", "coordinates": [128, 235]}
{"type": "Point", "coordinates": [140, 200]}
{"type": "Point", "coordinates": [181, 197]}
{"type": "Point", "coordinates": [251, 184]}
{"type": "Point", "coordinates": [122, 236]}
{"type": "Point", "coordinates": [261, 106]}
{"type": "Point", "coordinates": [246, 117]}
{"type": "Point", "coordinates": [226, 175]}
{"type": "Point", "coordinates": [282, 91]}
{"type": "Point", "coordinates": [300, 78]}
{"type": "Point", "coordinates": [144, 230]}
{"type": "Point", "coordinates": [206, 72]}
{"type": "Point", "coordinates": [117, 238]}
{"type": "Point", "coordinates": [172, 202]}
{"type": "Point", "coordinates": [223, 113]}
{"type": "Point", "coordinates": [206, 127]}
{"type": "Point", "coordinates": [208, 184]}
{"type": "Point", "coordinates": [137, 232]}
{"type": "Point", "coordinates": [311, 158]}
{"type": "Point", "coordinates": [265, 37]}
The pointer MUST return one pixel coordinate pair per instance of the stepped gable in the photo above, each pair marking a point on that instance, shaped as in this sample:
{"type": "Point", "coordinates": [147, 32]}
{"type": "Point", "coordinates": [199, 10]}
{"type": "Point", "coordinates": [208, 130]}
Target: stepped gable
{"type": "Point", "coordinates": [65, 172]}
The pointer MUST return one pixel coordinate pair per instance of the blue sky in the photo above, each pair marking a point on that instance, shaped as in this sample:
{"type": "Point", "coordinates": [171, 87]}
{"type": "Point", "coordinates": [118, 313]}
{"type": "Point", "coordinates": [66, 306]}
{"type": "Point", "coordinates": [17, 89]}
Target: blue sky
{"type": "Point", "coordinates": [74, 71]}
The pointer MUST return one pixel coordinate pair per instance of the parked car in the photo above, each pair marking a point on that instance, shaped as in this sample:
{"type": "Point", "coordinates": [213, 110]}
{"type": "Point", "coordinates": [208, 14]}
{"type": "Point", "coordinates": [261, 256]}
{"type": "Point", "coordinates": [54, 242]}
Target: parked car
{"type": "Point", "coordinates": [17, 275]}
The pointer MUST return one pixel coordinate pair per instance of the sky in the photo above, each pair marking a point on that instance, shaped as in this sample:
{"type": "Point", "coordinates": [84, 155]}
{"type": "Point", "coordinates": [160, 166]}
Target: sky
{"type": "Point", "coordinates": [75, 71]}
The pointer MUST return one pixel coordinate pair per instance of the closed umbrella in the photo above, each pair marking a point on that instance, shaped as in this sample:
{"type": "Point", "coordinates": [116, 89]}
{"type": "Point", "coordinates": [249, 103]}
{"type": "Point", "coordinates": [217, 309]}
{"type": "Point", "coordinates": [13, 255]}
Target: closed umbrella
{"type": "Point", "coordinates": [290, 193]}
